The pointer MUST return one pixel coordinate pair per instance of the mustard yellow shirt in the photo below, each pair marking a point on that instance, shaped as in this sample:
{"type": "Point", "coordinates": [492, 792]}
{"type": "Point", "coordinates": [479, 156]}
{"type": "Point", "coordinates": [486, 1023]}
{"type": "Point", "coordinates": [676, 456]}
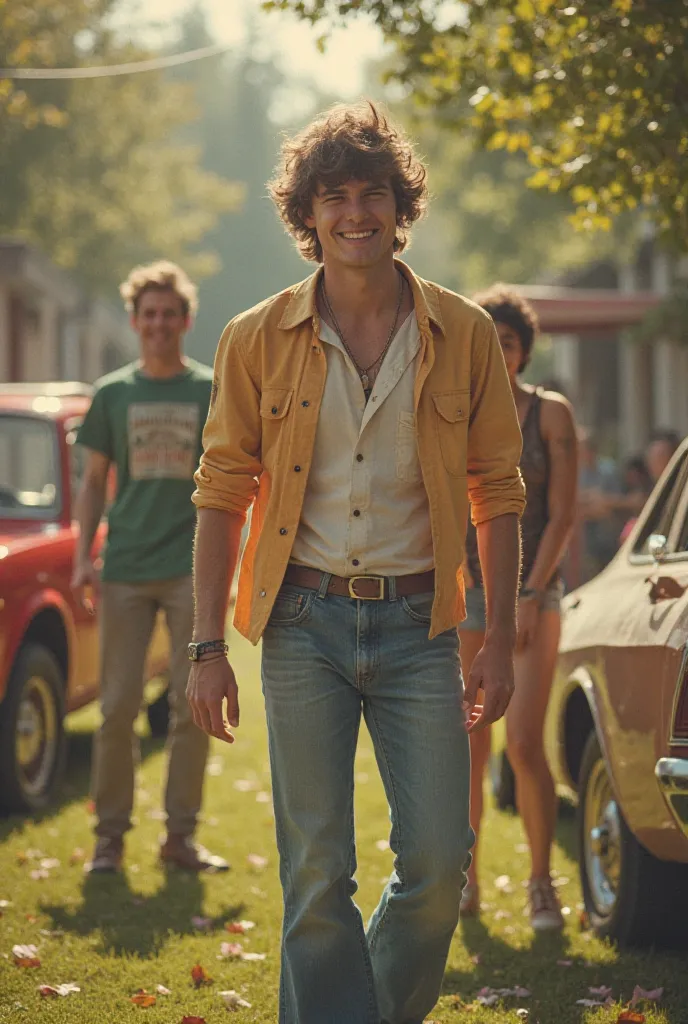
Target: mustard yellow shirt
{"type": "Point", "coordinates": [270, 371]}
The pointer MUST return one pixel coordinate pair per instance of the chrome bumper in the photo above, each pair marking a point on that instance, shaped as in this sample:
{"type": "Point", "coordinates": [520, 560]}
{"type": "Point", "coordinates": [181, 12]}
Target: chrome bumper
{"type": "Point", "coordinates": [672, 775]}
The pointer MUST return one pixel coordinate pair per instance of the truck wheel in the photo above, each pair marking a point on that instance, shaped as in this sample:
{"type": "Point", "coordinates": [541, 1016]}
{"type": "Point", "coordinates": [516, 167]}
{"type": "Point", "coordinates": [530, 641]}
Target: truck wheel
{"type": "Point", "coordinates": [158, 713]}
{"type": "Point", "coordinates": [32, 736]}
{"type": "Point", "coordinates": [630, 896]}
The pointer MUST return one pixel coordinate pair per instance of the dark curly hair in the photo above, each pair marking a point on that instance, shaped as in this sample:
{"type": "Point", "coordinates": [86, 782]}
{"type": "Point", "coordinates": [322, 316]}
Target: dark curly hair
{"type": "Point", "coordinates": [348, 142]}
{"type": "Point", "coordinates": [506, 306]}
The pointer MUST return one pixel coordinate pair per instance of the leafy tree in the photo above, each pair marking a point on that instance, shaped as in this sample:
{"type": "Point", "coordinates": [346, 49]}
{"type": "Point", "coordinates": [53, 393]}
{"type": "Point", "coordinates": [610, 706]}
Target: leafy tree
{"type": "Point", "coordinates": [104, 184]}
{"type": "Point", "coordinates": [237, 137]}
{"type": "Point", "coordinates": [594, 92]}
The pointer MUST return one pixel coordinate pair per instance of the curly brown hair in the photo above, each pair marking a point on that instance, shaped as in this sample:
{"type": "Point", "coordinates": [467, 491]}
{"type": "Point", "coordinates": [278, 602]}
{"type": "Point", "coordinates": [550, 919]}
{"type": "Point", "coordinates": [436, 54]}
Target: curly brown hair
{"type": "Point", "coordinates": [348, 142]}
{"type": "Point", "coordinates": [506, 306]}
{"type": "Point", "coordinates": [162, 275]}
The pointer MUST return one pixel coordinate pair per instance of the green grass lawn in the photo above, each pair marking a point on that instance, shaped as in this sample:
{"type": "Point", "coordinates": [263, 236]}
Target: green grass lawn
{"type": "Point", "coordinates": [114, 935]}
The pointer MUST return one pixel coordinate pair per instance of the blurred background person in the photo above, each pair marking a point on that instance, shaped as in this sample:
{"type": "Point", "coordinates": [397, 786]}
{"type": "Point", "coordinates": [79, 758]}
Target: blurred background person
{"type": "Point", "coordinates": [146, 420]}
{"type": "Point", "coordinates": [660, 448]}
{"type": "Point", "coordinates": [549, 467]}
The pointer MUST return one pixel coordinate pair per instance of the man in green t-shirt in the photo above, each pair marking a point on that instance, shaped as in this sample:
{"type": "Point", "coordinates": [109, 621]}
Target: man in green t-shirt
{"type": "Point", "coordinates": [146, 420]}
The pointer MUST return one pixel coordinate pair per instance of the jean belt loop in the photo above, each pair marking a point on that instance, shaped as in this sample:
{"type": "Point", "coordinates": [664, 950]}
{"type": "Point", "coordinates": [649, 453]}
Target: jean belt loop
{"type": "Point", "coordinates": [392, 585]}
{"type": "Point", "coordinates": [324, 584]}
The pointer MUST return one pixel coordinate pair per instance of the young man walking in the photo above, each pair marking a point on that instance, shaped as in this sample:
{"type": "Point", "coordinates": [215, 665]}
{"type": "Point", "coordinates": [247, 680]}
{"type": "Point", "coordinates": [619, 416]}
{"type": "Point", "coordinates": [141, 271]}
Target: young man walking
{"type": "Point", "coordinates": [146, 420]}
{"type": "Point", "coordinates": [356, 412]}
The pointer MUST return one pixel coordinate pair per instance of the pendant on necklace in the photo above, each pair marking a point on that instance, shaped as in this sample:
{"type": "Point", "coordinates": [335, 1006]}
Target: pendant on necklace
{"type": "Point", "coordinates": [365, 381]}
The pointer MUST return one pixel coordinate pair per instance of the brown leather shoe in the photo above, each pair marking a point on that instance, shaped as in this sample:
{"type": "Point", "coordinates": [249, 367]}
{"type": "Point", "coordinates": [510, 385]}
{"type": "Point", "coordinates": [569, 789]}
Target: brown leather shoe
{"type": "Point", "coordinates": [184, 853]}
{"type": "Point", "coordinates": [107, 856]}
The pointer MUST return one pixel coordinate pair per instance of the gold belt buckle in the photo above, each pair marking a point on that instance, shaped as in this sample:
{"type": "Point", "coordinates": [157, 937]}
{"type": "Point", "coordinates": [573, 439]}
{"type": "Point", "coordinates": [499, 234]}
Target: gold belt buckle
{"type": "Point", "coordinates": [360, 597]}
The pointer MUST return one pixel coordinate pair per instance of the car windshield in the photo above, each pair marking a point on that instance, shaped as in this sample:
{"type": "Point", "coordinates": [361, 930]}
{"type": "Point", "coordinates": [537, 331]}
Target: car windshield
{"type": "Point", "coordinates": [29, 480]}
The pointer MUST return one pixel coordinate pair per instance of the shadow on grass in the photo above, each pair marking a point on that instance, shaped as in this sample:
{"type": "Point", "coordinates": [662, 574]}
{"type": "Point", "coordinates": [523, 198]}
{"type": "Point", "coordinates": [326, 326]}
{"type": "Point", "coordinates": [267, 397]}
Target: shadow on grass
{"type": "Point", "coordinates": [76, 785]}
{"type": "Point", "coordinates": [500, 964]}
{"type": "Point", "coordinates": [131, 923]}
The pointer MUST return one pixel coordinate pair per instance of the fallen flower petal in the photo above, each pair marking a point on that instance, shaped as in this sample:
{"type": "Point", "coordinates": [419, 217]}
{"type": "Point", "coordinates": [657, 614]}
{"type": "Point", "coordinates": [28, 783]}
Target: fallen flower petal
{"type": "Point", "coordinates": [239, 927]}
{"type": "Point", "coordinates": [245, 785]}
{"type": "Point", "coordinates": [200, 976]}
{"type": "Point", "coordinates": [5, 903]}
{"type": "Point", "coordinates": [193, 1020]}
{"type": "Point", "coordinates": [231, 950]}
{"type": "Point", "coordinates": [162, 990]}
{"type": "Point", "coordinates": [48, 863]}
{"type": "Point", "coordinates": [233, 1000]}
{"type": "Point", "coordinates": [257, 862]}
{"type": "Point", "coordinates": [253, 956]}
{"type": "Point", "coordinates": [143, 998]}
{"type": "Point", "coordinates": [564, 963]}
{"type": "Point", "coordinates": [53, 991]}
{"type": "Point", "coordinates": [522, 1013]}
{"type": "Point", "coordinates": [203, 924]}
{"type": "Point", "coordinates": [382, 844]}
{"type": "Point", "coordinates": [503, 883]}
{"type": "Point", "coordinates": [39, 873]}
{"type": "Point", "coordinates": [653, 995]}
{"type": "Point", "coordinates": [25, 956]}
{"type": "Point", "coordinates": [603, 991]}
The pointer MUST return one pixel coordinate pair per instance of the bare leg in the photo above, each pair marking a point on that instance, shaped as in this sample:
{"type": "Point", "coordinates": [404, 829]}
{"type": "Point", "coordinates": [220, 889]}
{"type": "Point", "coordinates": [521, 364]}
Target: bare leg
{"type": "Point", "coordinates": [535, 795]}
{"type": "Point", "coordinates": [471, 642]}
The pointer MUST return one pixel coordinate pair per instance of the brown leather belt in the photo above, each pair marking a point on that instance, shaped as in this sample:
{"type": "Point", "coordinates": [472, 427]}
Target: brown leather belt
{"type": "Point", "coordinates": [364, 588]}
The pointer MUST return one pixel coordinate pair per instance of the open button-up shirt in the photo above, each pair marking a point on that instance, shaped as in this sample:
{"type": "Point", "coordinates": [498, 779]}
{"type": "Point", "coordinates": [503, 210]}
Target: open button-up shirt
{"type": "Point", "coordinates": [365, 509]}
{"type": "Point", "coordinates": [259, 439]}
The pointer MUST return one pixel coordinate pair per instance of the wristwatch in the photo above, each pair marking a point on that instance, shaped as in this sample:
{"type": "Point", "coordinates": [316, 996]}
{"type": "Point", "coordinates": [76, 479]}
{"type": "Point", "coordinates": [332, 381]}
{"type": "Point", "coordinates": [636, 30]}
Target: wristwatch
{"type": "Point", "coordinates": [196, 651]}
{"type": "Point", "coordinates": [531, 592]}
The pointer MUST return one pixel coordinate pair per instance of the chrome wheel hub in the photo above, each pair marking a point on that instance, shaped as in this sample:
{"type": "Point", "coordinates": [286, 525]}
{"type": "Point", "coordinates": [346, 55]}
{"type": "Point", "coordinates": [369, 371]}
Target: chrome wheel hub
{"type": "Point", "coordinates": [36, 738]}
{"type": "Point", "coordinates": [602, 840]}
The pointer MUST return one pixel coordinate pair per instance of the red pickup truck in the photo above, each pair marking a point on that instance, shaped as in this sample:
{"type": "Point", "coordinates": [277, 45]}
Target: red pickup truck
{"type": "Point", "coordinates": [48, 640]}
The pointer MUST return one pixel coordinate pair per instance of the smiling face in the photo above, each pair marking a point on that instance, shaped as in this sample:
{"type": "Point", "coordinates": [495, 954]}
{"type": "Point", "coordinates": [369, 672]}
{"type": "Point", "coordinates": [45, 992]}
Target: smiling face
{"type": "Point", "coordinates": [160, 322]}
{"type": "Point", "coordinates": [512, 349]}
{"type": "Point", "coordinates": [355, 222]}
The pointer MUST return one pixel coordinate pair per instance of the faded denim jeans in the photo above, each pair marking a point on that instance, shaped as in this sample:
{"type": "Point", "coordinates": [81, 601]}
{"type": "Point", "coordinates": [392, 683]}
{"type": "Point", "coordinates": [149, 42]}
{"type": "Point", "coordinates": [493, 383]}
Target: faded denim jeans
{"type": "Point", "coordinates": [326, 659]}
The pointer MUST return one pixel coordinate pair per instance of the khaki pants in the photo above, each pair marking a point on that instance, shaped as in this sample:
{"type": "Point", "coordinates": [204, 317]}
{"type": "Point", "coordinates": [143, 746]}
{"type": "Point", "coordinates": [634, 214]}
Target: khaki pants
{"type": "Point", "coordinates": [127, 614]}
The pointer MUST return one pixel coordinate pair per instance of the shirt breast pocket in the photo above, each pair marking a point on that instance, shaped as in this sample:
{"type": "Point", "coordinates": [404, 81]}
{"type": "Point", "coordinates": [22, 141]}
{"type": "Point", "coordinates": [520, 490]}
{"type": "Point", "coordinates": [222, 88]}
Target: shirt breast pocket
{"type": "Point", "coordinates": [274, 406]}
{"type": "Point", "coordinates": [453, 408]}
{"type": "Point", "coordinates": [407, 460]}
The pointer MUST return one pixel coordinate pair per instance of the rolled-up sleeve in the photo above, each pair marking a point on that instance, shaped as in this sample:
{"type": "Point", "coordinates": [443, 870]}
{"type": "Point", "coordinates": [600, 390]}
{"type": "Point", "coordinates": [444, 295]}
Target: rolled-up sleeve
{"type": "Point", "coordinates": [495, 485]}
{"type": "Point", "coordinates": [227, 477]}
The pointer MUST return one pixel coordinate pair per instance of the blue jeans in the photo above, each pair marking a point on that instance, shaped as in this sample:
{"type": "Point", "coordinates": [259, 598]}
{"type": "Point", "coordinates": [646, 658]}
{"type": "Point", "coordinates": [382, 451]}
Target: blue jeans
{"type": "Point", "coordinates": [325, 660]}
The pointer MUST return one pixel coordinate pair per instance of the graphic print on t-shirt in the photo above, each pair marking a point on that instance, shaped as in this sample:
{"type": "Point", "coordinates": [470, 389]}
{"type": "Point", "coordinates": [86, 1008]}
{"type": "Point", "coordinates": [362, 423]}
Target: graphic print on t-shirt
{"type": "Point", "coordinates": [163, 440]}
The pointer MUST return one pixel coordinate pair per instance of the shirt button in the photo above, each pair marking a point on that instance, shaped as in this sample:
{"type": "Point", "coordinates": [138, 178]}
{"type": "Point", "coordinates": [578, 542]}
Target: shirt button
{"type": "Point", "coordinates": [274, 410]}
{"type": "Point", "coordinates": [355, 561]}
{"type": "Point", "coordinates": [359, 458]}
{"type": "Point", "coordinates": [357, 512]}
{"type": "Point", "coordinates": [283, 530]}
{"type": "Point", "coordinates": [297, 469]}
{"type": "Point", "coordinates": [305, 404]}
{"type": "Point", "coordinates": [262, 594]}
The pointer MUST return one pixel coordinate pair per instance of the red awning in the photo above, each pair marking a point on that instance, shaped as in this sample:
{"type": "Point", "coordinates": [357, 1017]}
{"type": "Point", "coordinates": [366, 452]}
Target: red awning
{"type": "Point", "coordinates": [587, 311]}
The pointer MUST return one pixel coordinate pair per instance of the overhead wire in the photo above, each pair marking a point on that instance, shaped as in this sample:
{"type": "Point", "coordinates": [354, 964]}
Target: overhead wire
{"type": "Point", "coordinates": [111, 70]}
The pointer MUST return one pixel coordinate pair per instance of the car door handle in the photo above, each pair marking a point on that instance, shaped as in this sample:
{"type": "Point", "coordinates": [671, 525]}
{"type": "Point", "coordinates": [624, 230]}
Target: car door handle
{"type": "Point", "coordinates": [664, 588]}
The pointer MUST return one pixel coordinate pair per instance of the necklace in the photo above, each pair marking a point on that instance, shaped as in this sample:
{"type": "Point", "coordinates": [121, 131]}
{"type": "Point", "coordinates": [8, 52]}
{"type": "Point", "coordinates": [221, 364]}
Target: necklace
{"type": "Point", "coordinates": [364, 372]}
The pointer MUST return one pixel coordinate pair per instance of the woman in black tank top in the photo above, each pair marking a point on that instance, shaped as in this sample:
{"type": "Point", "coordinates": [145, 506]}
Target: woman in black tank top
{"type": "Point", "coordinates": [549, 469]}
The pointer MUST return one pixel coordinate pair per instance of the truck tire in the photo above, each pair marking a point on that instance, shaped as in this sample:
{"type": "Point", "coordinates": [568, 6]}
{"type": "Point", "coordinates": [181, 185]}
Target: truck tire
{"type": "Point", "coordinates": [32, 736]}
{"type": "Point", "coordinates": [630, 897]}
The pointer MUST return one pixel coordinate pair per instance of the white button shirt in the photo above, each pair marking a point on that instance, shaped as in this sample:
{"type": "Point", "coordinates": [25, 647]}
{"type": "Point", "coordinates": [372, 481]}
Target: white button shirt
{"type": "Point", "coordinates": [366, 509]}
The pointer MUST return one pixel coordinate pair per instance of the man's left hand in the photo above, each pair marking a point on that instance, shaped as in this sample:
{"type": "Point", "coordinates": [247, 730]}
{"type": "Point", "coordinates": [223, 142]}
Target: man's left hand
{"type": "Point", "coordinates": [493, 672]}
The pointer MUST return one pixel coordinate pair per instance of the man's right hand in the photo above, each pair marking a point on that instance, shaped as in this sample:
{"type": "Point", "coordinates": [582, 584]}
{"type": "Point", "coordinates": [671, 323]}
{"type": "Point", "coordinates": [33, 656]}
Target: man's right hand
{"type": "Point", "coordinates": [212, 681]}
{"type": "Point", "coordinates": [85, 577]}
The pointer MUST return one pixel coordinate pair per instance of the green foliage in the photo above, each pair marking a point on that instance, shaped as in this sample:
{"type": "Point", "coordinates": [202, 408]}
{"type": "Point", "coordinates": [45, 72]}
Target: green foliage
{"type": "Point", "coordinates": [592, 91]}
{"type": "Point", "coordinates": [667, 320]}
{"type": "Point", "coordinates": [237, 138]}
{"type": "Point", "coordinates": [107, 184]}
